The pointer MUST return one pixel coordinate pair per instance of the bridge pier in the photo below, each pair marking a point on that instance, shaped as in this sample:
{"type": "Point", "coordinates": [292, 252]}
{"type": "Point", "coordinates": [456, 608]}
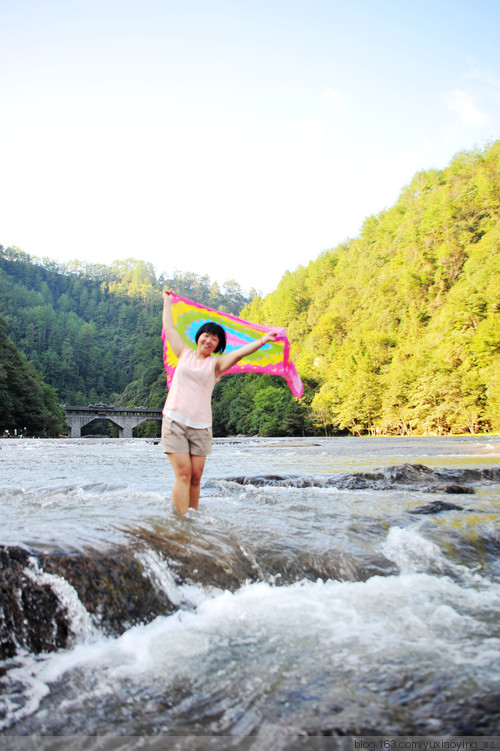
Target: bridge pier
{"type": "Point", "coordinates": [126, 432]}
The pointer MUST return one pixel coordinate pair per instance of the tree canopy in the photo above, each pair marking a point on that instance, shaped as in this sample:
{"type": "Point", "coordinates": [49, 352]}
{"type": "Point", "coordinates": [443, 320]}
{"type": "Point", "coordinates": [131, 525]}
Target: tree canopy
{"type": "Point", "coordinates": [397, 331]}
{"type": "Point", "coordinates": [27, 405]}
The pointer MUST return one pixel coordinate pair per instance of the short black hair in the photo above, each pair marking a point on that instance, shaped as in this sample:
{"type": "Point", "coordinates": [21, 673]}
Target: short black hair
{"type": "Point", "coordinates": [213, 328]}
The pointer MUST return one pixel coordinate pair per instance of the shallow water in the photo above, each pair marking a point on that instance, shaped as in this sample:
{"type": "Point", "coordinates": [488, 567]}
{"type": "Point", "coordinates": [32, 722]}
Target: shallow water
{"type": "Point", "coordinates": [344, 600]}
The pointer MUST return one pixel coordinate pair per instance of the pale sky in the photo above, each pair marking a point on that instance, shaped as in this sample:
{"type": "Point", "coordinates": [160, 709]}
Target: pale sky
{"type": "Point", "coordinates": [237, 139]}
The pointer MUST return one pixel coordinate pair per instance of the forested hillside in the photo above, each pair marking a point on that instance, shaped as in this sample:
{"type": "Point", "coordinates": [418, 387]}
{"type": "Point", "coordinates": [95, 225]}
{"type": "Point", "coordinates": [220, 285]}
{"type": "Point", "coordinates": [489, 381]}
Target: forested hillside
{"type": "Point", "coordinates": [27, 405]}
{"type": "Point", "coordinates": [398, 330]}
{"type": "Point", "coordinates": [92, 331]}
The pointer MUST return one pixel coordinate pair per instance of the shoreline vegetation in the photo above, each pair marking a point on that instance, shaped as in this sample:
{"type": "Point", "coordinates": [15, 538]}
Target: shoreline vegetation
{"type": "Point", "coordinates": [395, 332]}
{"type": "Point", "coordinates": [284, 442]}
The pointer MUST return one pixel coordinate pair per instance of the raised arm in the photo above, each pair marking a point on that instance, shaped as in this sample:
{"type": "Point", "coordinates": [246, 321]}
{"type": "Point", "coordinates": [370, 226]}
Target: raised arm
{"type": "Point", "coordinates": [173, 337]}
{"type": "Point", "coordinates": [225, 362]}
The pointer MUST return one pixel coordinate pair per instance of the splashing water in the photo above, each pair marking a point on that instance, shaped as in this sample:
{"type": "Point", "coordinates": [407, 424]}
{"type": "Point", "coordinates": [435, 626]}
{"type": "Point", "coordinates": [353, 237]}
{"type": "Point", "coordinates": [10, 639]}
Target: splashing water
{"type": "Point", "coordinates": [318, 604]}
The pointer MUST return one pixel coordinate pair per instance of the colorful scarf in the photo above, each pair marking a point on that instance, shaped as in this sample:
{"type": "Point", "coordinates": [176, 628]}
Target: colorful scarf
{"type": "Point", "coordinates": [273, 357]}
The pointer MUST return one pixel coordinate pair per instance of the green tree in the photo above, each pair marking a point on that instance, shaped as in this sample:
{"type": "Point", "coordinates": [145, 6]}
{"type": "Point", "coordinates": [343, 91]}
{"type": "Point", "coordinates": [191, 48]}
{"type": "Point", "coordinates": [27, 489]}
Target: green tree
{"type": "Point", "coordinates": [25, 401]}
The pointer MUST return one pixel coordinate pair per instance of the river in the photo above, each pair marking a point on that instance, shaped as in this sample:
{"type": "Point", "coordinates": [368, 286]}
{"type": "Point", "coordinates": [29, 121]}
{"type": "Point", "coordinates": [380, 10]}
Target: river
{"type": "Point", "coordinates": [325, 587]}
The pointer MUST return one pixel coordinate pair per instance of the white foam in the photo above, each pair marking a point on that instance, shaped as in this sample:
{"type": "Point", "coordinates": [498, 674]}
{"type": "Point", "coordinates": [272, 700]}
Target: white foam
{"type": "Point", "coordinates": [413, 553]}
{"type": "Point", "coordinates": [160, 574]}
{"type": "Point", "coordinates": [308, 630]}
{"type": "Point", "coordinates": [381, 615]}
{"type": "Point", "coordinates": [79, 619]}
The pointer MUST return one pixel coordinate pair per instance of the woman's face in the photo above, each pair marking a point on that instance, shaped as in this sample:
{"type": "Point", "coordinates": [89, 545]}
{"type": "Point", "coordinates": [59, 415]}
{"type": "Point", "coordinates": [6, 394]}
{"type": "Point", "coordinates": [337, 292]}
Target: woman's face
{"type": "Point", "coordinates": [207, 343]}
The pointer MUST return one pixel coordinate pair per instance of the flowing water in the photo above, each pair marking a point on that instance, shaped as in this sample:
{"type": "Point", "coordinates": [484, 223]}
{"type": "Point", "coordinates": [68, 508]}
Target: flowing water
{"type": "Point", "coordinates": [326, 586]}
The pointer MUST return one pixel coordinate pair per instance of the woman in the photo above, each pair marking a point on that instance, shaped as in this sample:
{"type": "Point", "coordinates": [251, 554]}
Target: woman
{"type": "Point", "coordinates": [187, 415]}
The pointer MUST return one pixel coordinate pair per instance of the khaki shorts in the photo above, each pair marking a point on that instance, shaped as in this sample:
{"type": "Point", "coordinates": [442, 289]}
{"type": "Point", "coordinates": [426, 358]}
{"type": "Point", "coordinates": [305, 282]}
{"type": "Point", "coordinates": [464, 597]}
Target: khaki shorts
{"type": "Point", "coordinates": [181, 439]}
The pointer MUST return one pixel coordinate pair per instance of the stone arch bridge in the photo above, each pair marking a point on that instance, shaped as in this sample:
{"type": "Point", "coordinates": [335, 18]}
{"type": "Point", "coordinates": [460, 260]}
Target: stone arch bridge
{"type": "Point", "coordinates": [125, 419]}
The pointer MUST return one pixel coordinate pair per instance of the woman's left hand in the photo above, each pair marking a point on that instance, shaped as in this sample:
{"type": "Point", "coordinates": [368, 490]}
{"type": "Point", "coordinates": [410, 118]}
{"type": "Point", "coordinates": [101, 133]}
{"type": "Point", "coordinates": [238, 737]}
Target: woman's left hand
{"type": "Point", "coordinates": [269, 337]}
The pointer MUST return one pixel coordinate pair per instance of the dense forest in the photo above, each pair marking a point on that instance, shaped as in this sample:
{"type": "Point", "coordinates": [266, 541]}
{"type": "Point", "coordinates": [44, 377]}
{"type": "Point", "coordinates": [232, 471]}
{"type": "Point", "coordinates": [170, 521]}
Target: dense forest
{"type": "Point", "coordinates": [28, 405]}
{"type": "Point", "coordinates": [93, 331]}
{"type": "Point", "coordinates": [396, 331]}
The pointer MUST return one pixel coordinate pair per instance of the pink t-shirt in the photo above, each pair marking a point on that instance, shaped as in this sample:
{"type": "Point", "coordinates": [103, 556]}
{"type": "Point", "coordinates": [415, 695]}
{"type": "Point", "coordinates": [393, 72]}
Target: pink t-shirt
{"type": "Point", "coordinates": [190, 394]}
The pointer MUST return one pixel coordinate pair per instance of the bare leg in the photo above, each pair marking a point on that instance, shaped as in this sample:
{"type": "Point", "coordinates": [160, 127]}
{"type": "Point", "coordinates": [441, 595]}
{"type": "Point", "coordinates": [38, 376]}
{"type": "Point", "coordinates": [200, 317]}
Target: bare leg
{"type": "Point", "coordinates": [181, 464]}
{"type": "Point", "coordinates": [188, 471]}
{"type": "Point", "coordinates": [197, 467]}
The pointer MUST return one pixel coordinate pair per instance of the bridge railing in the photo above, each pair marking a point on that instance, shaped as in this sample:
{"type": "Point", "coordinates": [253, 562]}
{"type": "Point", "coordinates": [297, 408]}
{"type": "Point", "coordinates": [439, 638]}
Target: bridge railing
{"type": "Point", "coordinates": [102, 409]}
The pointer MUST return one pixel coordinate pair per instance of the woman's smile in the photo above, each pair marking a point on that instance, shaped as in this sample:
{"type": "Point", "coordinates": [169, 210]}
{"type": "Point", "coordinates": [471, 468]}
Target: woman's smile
{"type": "Point", "coordinates": [207, 343]}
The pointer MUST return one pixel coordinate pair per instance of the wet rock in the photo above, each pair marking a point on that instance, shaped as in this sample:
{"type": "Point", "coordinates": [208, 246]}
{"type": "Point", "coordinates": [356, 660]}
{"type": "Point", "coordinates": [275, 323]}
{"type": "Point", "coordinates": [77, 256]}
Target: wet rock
{"type": "Point", "coordinates": [271, 481]}
{"type": "Point", "coordinates": [427, 480]}
{"type": "Point", "coordinates": [31, 616]}
{"type": "Point", "coordinates": [415, 477]}
{"type": "Point", "coordinates": [481, 717]}
{"type": "Point", "coordinates": [116, 587]}
{"type": "Point", "coordinates": [358, 481]}
{"type": "Point", "coordinates": [436, 507]}
{"type": "Point", "coordinates": [458, 489]}
{"type": "Point", "coordinates": [113, 588]}
{"type": "Point", "coordinates": [123, 587]}
{"type": "Point", "coordinates": [208, 556]}
{"type": "Point", "coordinates": [408, 473]}
{"type": "Point", "coordinates": [487, 474]}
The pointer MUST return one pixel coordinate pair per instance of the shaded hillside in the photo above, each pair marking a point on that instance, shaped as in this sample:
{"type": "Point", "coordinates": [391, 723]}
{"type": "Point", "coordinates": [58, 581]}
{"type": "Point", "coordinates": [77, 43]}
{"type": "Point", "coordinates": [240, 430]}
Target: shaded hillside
{"type": "Point", "coordinates": [27, 405]}
{"type": "Point", "coordinates": [398, 330]}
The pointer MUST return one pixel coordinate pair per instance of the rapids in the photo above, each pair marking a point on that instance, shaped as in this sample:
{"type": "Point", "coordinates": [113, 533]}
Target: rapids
{"type": "Point", "coordinates": [326, 587]}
